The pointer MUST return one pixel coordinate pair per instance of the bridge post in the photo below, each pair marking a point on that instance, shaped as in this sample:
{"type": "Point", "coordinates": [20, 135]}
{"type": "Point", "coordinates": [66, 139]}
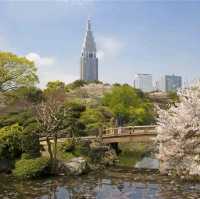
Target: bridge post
{"type": "Point", "coordinates": [100, 134]}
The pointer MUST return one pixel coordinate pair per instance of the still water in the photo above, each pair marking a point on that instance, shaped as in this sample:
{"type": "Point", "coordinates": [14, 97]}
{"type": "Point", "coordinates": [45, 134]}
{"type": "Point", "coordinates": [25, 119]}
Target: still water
{"type": "Point", "coordinates": [109, 184]}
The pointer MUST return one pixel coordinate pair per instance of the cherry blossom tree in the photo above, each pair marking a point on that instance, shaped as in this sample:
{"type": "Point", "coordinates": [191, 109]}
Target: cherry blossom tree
{"type": "Point", "coordinates": [179, 134]}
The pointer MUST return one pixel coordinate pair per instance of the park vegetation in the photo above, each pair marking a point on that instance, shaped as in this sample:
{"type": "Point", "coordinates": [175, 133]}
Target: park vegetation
{"type": "Point", "coordinates": [81, 108]}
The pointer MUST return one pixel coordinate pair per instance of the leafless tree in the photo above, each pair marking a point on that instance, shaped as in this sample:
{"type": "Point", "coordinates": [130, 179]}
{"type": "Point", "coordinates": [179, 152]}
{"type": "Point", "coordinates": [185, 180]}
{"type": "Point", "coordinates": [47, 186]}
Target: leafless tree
{"type": "Point", "coordinates": [50, 114]}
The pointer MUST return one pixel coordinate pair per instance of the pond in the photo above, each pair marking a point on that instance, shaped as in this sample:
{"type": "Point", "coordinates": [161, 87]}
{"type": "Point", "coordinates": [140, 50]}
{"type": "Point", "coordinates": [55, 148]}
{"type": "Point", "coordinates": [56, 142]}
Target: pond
{"type": "Point", "coordinates": [111, 183]}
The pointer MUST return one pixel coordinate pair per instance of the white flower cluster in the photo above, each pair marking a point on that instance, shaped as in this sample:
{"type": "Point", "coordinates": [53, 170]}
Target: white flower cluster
{"type": "Point", "coordinates": [179, 134]}
{"type": "Point", "coordinates": [96, 90]}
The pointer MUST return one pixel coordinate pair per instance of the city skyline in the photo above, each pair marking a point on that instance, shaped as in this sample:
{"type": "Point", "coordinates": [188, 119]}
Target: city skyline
{"type": "Point", "coordinates": [156, 38]}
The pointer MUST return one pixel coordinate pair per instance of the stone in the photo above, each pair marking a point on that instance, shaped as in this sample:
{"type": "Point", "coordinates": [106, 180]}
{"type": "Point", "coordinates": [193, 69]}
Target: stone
{"type": "Point", "coordinates": [76, 166]}
{"type": "Point", "coordinates": [147, 163]}
{"type": "Point", "coordinates": [109, 158]}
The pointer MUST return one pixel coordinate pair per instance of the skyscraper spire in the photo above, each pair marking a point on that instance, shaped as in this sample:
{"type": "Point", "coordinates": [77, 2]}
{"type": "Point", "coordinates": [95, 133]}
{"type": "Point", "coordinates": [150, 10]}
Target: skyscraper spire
{"type": "Point", "coordinates": [89, 45]}
{"type": "Point", "coordinates": [88, 25]}
{"type": "Point", "coordinates": [89, 61]}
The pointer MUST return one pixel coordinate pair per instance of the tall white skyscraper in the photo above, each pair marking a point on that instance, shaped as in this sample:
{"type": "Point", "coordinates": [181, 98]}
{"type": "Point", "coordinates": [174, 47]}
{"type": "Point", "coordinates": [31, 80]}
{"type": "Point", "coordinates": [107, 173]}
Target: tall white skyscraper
{"type": "Point", "coordinates": [144, 82]}
{"type": "Point", "coordinates": [89, 60]}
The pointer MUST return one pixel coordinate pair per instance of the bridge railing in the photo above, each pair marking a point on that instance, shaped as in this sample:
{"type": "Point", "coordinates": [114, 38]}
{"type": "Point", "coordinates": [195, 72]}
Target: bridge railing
{"type": "Point", "coordinates": [128, 130]}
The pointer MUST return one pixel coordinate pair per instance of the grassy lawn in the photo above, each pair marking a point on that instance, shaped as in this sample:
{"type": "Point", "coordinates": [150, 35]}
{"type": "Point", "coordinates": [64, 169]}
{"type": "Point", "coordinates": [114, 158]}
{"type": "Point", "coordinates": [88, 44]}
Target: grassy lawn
{"type": "Point", "coordinates": [131, 153]}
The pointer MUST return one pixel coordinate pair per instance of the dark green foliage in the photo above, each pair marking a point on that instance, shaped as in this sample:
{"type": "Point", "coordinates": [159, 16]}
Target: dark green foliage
{"type": "Point", "coordinates": [139, 93]}
{"type": "Point", "coordinates": [83, 148]}
{"type": "Point", "coordinates": [23, 118]}
{"type": "Point", "coordinates": [30, 140]}
{"type": "Point", "coordinates": [96, 154]}
{"type": "Point", "coordinates": [27, 138]}
{"type": "Point", "coordinates": [116, 84]}
{"type": "Point", "coordinates": [72, 119]}
{"type": "Point", "coordinates": [34, 95]}
{"type": "Point", "coordinates": [29, 94]}
{"type": "Point", "coordinates": [67, 146]}
{"type": "Point", "coordinates": [31, 168]}
{"type": "Point", "coordinates": [15, 140]}
{"type": "Point", "coordinates": [77, 84]}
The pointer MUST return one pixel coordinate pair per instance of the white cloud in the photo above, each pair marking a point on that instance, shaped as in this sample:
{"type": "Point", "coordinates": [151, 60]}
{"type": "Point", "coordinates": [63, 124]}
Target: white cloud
{"type": "Point", "coordinates": [40, 61]}
{"type": "Point", "coordinates": [108, 47]}
{"type": "Point", "coordinates": [52, 75]}
{"type": "Point", "coordinates": [49, 69]}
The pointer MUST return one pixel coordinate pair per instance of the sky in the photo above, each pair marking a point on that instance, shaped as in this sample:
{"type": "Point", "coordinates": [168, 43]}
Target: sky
{"type": "Point", "coordinates": [156, 37]}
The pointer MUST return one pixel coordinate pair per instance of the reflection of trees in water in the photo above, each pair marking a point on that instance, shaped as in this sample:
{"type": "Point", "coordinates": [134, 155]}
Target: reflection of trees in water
{"type": "Point", "coordinates": [94, 186]}
{"type": "Point", "coordinates": [79, 190]}
{"type": "Point", "coordinates": [117, 188]}
{"type": "Point", "coordinates": [178, 191]}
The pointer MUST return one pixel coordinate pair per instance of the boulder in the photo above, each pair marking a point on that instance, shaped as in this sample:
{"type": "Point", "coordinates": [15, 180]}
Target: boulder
{"type": "Point", "coordinates": [76, 166]}
{"type": "Point", "coordinates": [109, 158]}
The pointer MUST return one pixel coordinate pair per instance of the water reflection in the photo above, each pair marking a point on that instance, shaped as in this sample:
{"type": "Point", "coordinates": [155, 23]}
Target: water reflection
{"type": "Point", "coordinates": [100, 186]}
{"type": "Point", "coordinates": [105, 190]}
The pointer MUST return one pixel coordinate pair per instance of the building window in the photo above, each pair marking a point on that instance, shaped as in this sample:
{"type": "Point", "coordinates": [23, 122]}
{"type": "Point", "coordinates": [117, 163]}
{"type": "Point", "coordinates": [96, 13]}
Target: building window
{"type": "Point", "coordinates": [90, 55]}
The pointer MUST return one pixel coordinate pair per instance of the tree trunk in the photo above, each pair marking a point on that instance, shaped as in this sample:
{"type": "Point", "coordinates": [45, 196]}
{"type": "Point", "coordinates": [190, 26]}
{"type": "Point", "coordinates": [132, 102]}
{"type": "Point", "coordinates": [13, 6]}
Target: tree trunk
{"type": "Point", "coordinates": [55, 147]}
{"type": "Point", "coordinates": [54, 166]}
{"type": "Point", "coordinates": [49, 148]}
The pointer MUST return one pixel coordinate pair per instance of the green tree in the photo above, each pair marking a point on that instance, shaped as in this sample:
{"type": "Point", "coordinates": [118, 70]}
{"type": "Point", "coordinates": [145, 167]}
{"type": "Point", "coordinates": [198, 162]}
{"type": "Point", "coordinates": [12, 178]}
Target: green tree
{"type": "Point", "coordinates": [28, 95]}
{"type": "Point", "coordinates": [23, 118]}
{"type": "Point", "coordinates": [28, 139]}
{"type": "Point", "coordinates": [10, 141]}
{"type": "Point", "coordinates": [72, 119]}
{"type": "Point", "coordinates": [129, 105]}
{"type": "Point", "coordinates": [77, 84]}
{"type": "Point", "coordinates": [95, 119]}
{"type": "Point", "coordinates": [143, 115]}
{"type": "Point", "coordinates": [15, 72]}
{"type": "Point", "coordinates": [53, 86]}
{"type": "Point", "coordinates": [33, 94]}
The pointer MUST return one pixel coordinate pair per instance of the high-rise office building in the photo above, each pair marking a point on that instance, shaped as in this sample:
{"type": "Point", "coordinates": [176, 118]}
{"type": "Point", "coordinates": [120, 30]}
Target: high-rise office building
{"type": "Point", "coordinates": [89, 60]}
{"type": "Point", "coordinates": [144, 82]}
{"type": "Point", "coordinates": [169, 83]}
